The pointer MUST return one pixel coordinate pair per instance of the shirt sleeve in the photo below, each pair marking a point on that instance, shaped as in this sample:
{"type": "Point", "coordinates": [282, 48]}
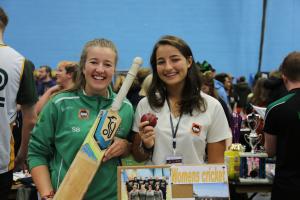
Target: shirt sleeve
{"type": "Point", "coordinates": [27, 93]}
{"type": "Point", "coordinates": [41, 144]}
{"type": "Point", "coordinates": [271, 122]}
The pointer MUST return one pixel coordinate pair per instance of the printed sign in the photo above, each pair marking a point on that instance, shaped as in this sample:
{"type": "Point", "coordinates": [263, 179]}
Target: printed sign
{"type": "Point", "coordinates": [173, 182]}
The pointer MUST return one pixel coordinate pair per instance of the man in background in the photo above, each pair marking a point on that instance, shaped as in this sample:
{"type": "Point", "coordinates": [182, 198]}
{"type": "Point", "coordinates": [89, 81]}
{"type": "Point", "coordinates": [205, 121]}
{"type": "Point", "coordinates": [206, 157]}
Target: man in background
{"type": "Point", "coordinates": [282, 131]}
{"type": "Point", "coordinates": [46, 81]}
{"type": "Point", "coordinates": [17, 86]}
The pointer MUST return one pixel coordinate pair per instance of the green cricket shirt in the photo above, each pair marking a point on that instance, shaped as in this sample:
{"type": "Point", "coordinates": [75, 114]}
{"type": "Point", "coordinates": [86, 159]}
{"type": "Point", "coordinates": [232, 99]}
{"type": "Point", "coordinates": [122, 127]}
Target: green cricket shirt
{"type": "Point", "coordinates": [60, 131]}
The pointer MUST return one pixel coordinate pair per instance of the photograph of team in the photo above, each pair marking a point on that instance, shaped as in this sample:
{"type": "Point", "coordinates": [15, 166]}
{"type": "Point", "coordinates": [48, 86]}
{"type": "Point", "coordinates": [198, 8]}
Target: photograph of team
{"type": "Point", "coordinates": [145, 184]}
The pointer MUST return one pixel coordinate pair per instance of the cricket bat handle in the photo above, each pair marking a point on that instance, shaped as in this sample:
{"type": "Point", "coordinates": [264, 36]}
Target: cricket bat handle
{"type": "Point", "coordinates": [137, 62]}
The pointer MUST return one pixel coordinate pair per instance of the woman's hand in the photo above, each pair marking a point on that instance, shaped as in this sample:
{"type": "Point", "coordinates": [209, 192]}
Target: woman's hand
{"type": "Point", "coordinates": [20, 159]}
{"type": "Point", "coordinates": [120, 147]}
{"type": "Point", "coordinates": [54, 89]}
{"type": "Point", "coordinates": [147, 134]}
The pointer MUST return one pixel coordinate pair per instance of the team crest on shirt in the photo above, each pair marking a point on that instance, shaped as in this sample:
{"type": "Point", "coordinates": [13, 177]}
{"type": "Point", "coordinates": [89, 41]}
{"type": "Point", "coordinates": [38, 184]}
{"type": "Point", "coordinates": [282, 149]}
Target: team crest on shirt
{"type": "Point", "coordinates": [83, 114]}
{"type": "Point", "coordinates": [196, 129]}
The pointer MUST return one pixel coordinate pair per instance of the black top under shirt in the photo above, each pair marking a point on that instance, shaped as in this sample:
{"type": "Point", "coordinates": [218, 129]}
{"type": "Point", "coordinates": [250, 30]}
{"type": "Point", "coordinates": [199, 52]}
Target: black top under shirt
{"type": "Point", "coordinates": [283, 120]}
{"type": "Point", "coordinates": [27, 93]}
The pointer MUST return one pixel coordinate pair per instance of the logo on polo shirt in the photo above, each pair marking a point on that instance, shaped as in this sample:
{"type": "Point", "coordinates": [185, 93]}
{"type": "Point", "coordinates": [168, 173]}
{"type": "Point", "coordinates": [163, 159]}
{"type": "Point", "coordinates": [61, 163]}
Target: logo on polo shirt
{"type": "Point", "coordinates": [196, 129]}
{"type": "Point", "coordinates": [3, 78]}
{"type": "Point", "coordinates": [83, 114]}
{"type": "Point", "coordinates": [3, 82]}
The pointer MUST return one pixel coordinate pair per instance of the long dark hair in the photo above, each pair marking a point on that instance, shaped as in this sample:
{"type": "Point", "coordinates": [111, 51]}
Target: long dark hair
{"type": "Point", "coordinates": [190, 96]}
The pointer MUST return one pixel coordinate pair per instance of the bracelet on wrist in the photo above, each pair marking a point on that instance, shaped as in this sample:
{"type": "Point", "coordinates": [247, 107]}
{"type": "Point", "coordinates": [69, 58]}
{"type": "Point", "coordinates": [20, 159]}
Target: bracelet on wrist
{"type": "Point", "coordinates": [147, 150]}
{"type": "Point", "coordinates": [48, 196]}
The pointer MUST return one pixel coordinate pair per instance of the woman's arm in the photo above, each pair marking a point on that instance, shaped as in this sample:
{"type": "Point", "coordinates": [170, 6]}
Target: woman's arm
{"type": "Point", "coordinates": [41, 178]}
{"type": "Point", "coordinates": [45, 97]}
{"type": "Point", "coordinates": [270, 144]}
{"type": "Point", "coordinates": [143, 142]}
{"type": "Point", "coordinates": [138, 150]}
{"type": "Point", "coordinates": [215, 152]}
{"type": "Point", "coordinates": [29, 119]}
{"type": "Point", "coordinates": [41, 150]}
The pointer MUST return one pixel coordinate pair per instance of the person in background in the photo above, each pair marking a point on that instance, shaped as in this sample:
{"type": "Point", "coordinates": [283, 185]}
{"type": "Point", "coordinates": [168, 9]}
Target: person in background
{"type": "Point", "coordinates": [135, 137]}
{"type": "Point", "coordinates": [17, 86]}
{"type": "Point", "coordinates": [275, 85]}
{"type": "Point", "coordinates": [232, 97]}
{"type": "Point", "coordinates": [150, 193]}
{"type": "Point", "coordinates": [133, 94]}
{"type": "Point", "coordinates": [67, 118]}
{"type": "Point", "coordinates": [223, 81]}
{"type": "Point", "coordinates": [242, 90]}
{"type": "Point", "coordinates": [206, 66]}
{"type": "Point", "coordinates": [134, 193]}
{"type": "Point", "coordinates": [189, 121]}
{"type": "Point", "coordinates": [46, 81]}
{"type": "Point", "coordinates": [118, 83]}
{"type": "Point", "coordinates": [66, 75]}
{"type": "Point", "coordinates": [260, 94]}
{"type": "Point", "coordinates": [282, 125]}
{"type": "Point", "coordinates": [36, 75]}
{"type": "Point", "coordinates": [259, 97]}
{"type": "Point", "coordinates": [142, 74]}
{"type": "Point", "coordinates": [158, 195]}
{"type": "Point", "coordinates": [208, 88]}
{"type": "Point", "coordinates": [142, 192]}
{"type": "Point", "coordinates": [145, 86]}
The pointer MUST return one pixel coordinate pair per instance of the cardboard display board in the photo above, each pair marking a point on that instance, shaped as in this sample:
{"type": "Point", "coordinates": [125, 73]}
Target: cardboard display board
{"type": "Point", "coordinates": [177, 182]}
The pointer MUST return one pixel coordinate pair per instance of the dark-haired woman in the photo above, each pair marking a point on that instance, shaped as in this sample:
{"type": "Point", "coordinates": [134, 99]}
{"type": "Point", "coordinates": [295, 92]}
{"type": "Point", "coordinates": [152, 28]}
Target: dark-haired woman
{"type": "Point", "coordinates": [188, 120]}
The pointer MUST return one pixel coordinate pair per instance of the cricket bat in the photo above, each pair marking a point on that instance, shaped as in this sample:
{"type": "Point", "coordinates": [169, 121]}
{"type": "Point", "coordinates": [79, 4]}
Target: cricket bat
{"type": "Point", "coordinates": [90, 155]}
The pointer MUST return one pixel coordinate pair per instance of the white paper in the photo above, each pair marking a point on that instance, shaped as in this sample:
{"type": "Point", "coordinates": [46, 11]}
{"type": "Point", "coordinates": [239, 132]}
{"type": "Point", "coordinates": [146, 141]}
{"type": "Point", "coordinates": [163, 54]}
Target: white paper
{"type": "Point", "coordinates": [260, 110]}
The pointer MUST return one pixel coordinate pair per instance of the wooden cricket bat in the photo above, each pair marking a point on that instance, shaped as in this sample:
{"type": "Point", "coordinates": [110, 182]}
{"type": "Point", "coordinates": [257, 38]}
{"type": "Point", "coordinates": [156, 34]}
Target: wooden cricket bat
{"type": "Point", "coordinates": [89, 157]}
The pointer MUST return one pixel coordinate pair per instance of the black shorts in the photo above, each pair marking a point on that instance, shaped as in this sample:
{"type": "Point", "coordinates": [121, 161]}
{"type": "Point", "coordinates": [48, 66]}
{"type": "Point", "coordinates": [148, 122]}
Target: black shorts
{"type": "Point", "coordinates": [6, 180]}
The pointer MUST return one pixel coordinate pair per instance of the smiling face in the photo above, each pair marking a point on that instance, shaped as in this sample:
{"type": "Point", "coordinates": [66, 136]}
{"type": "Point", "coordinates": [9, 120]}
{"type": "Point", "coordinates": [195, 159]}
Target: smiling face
{"type": "Point", "coordinates": [61, 75]}
{"type": "Point", "coordinates": [98, 70]}
{"type": "Point", "coordinates": [172, 66]}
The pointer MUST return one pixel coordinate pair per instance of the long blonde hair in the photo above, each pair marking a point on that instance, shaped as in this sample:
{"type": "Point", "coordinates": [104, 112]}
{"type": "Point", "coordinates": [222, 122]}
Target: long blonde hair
{"type": "Point", "coordinates": [145, 85]}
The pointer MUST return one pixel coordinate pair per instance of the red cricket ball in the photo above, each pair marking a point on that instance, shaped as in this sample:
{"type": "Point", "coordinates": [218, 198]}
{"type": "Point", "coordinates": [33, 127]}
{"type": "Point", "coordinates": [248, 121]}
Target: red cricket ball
{"type": "Point", "coordinates": [149, 117]}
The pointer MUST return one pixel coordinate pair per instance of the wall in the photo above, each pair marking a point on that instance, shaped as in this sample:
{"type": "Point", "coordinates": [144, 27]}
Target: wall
{"type": "Point", "coordinates": [226, 33]}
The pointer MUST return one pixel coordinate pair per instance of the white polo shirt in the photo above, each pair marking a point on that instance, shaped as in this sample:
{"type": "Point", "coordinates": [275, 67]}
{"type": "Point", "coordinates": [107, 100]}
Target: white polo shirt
{"type": "Point", "coordinates": [194, 132]}
{"type": "Point", "coordinates": [16, 86]}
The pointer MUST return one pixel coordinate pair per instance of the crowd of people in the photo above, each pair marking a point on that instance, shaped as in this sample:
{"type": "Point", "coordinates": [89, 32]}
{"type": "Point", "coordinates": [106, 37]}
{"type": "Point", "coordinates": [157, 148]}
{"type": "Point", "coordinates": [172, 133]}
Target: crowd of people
{"type": "Point", "coordinates": [193, 104]}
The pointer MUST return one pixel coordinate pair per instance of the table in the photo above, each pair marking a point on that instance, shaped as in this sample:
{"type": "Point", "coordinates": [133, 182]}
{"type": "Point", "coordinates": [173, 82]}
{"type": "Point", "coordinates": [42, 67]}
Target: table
{"type": "Point", "coordinates": [239, 190]}
{"type": "Point", "coordinates": [23, 190]}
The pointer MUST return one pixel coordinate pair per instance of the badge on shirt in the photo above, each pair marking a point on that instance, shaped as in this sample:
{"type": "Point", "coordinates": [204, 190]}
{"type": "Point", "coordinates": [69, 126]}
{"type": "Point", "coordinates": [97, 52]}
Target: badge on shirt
{"type": "Point", "coordinates": [83, 114]}
{"type": "Point", "coordinates": [174, 160]}
{"type": "Point", "coordinates": [196, 129]}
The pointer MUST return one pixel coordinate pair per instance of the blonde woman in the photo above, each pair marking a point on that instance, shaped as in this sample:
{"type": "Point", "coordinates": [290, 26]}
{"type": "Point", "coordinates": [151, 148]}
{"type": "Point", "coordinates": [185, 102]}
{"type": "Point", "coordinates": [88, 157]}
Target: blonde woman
{"type": "Point", "coordinates": [66, 120]}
